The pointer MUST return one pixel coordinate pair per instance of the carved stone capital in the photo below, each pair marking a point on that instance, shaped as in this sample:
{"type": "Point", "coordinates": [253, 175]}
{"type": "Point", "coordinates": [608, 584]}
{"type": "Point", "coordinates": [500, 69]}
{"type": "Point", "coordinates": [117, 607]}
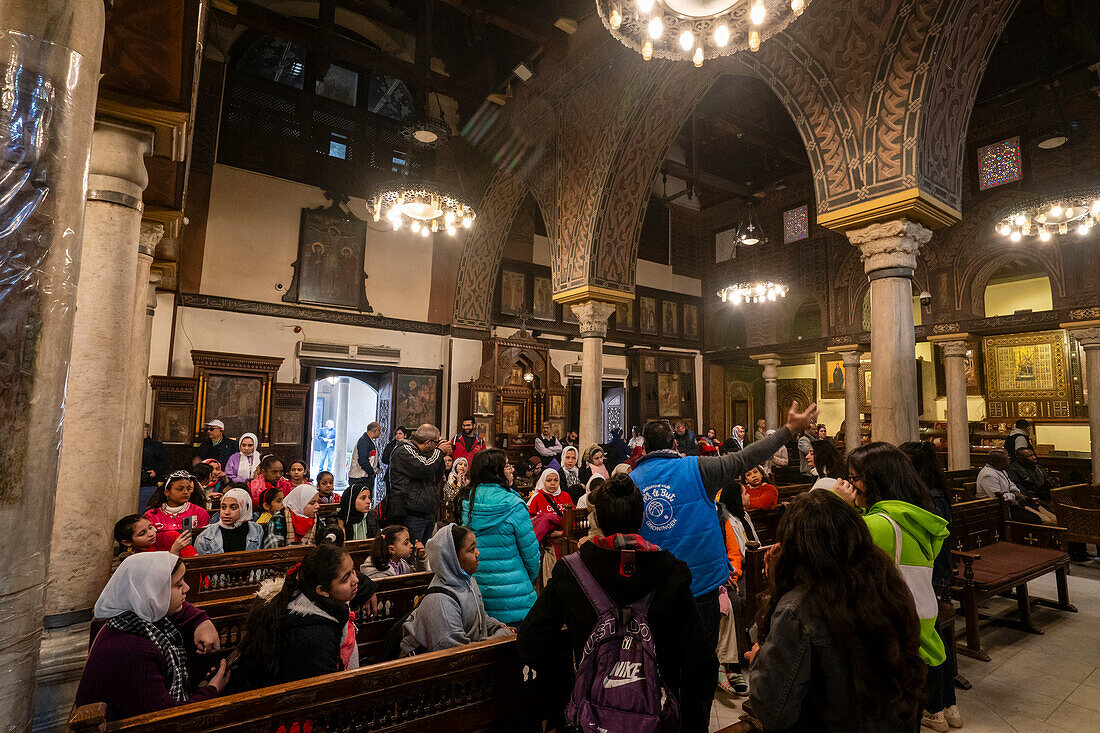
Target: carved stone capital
{"type": "Point", "coordinates": [1089, 338]}
{"type": "Point", "coordinates": [955, 348]}
{"type": "Point", "coordinates": [770, 367]}
{"type": "Point", "coordinates": [151, 234]}
{"type": "Point", "coordinates": [890, 245]}
{"type": "Point", "coordinates": [593, 315]}
{"type": "Point", "coordinates": [851, 357]}
{"type": "Point", "coordinates": [116, 167]}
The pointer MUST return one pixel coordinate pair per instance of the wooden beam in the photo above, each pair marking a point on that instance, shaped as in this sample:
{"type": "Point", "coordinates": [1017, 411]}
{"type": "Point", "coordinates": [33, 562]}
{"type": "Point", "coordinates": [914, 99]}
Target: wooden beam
{"type": "Point", "coordinates": [381, 15]}
{"type": "Point", "coordinates": [514, 20]}
{"type": "Point", "coordinates": [351, 52]}
{"type": "Point", "coordinates": [708, 180]}
{"type": "Point", "coordinates": [750, 132]}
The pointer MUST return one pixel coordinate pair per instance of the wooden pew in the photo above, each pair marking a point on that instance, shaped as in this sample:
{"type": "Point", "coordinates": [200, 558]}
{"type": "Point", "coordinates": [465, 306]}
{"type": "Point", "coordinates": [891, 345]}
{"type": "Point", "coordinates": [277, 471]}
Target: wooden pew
{"type": "Point", "coordinates": [233, 574]}
{"type": "Point", "coordinates": [766, 522]}
{"type": "Point", "coordinates": [1078, 510]}
{"type": "Point", "coordinates": [959, 492]}
{"type": "Point", "coordinates": [477, 687]}
{"type": "Point", "coordinates": [994, 555]}
{"type": "Point", "coordinates": [575, 523]}
{"type": "Point", "coordinates": [396, 597]}
{"type": "Point", "coordinates": [786, 493]}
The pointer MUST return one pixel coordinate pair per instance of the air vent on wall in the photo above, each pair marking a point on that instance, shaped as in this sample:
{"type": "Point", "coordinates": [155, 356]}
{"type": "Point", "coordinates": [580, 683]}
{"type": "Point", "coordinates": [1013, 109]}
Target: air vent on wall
{"type": "Point", "coordinates": [612, 375]}
{"type": "Point", "coordinates": [349, 352]}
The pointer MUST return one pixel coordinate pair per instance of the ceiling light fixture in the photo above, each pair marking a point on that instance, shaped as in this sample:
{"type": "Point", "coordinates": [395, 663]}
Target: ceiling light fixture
{"type": "Point", "coordinates": [696, 29]}
{"type": "Point", "coordinates": [1043, 218]}
{"type": "Point", "coordinates": [755, 291]}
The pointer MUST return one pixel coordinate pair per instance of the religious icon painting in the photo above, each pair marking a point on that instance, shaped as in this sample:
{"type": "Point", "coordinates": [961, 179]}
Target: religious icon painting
{"type": "Point", "coordinates": [417, 399]}
{"type": "Point", "coordinates": [624, 316]}
{"type": "Point", "coordinates": [832, 377]}
{"type": "Point", "coordinates": [647, 310]}
{"type": "Point", "coordinates": [691, 321]}
{"type": "Point", "coordinates": [512, 291]}
{"type": "Point", "coordinates": [331, 249]}
{"type": "Point", "coordinates": [557, 405]}
{"type": "Point", "coordinates": [543, 300]}
{"type": "Point", "coordinates": [668, 395]}
{"type": "Point", "coordinates": [669, 319]}
{"type": "Point", "coordinates": [483, 403]}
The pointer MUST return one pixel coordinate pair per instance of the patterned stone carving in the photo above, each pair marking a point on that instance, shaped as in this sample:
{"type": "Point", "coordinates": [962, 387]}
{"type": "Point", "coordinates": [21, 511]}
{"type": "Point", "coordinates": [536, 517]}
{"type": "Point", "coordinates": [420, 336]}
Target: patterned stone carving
{"type": "Point", "coordinates": [955, 348]}
{"type": "Point", "coordinates": [593, 315]}
{"type": "Point", "coordinates": [149, 237]}
{"type": "Point", "coordinates": [890, 244]}
{"type": "Point", "coordinates": [1089, 338]}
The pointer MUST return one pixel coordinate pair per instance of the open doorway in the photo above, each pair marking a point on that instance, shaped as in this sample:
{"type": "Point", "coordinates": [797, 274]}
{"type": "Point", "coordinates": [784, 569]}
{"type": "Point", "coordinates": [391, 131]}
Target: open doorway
{"type": "Point", "coordinates": [343, 406]}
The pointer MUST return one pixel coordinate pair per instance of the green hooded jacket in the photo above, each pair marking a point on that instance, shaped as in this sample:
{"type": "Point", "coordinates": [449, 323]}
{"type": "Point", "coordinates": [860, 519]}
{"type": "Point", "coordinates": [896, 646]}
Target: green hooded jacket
{"type": "Point", "coordinates": [922, 533]}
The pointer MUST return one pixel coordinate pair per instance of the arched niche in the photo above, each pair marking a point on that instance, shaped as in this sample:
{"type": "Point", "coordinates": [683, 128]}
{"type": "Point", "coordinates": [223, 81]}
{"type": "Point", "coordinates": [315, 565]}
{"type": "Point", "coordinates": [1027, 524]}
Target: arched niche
{"type": "Point", "coordinates": [1014, 285]}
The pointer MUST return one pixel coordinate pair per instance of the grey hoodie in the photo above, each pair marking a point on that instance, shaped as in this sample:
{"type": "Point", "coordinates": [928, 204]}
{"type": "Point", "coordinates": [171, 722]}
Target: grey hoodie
{"type": "Point", "coordinates": [438, 622]}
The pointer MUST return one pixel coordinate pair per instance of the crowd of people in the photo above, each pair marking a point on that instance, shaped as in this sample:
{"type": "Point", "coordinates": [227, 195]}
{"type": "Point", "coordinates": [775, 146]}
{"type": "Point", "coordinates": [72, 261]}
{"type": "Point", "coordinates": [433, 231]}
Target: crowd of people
{"type": "Point", "coordinates": [846, 637]}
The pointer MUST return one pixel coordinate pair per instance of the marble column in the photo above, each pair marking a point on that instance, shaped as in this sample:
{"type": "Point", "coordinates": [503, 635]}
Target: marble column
{"type": "Point", "coordinates": [770, 362]}
{"type": "Point", "coordinates": [955, 348]}
{"type": "Point", "coordinates": [93, 442]}
{"type": "Point", "coordinates": [851, 356]}
{"type": "Point", "coordinates": [50, 55]}
{"type": "Point", "coordinates": [889, 254]}
{"type": "Point", "coordinates": [145, 303]}
{"type": "Point", "coordinates": [1089, 338]}
{"type": "Point", "coordinates": [593, 315]}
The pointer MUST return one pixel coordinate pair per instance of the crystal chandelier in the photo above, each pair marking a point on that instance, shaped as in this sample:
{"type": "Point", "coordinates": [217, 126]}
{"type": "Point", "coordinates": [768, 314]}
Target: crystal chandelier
{"type": "Point", "coordinates": [422, 205]}
{"type": "Point", "coordinates": [696, 29]}
{"type": "Point", "coordinates": [1044, 219]}
{"type": "Point", "coordinates": [755, 291]}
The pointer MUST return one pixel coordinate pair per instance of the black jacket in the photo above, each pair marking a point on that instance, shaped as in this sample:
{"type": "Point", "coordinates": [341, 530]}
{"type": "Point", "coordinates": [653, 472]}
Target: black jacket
{"type": "Point", "coordinates": [414, 481]}
{"type": "Point", "coordinates": [222, 451]}
{"type": "Point", "coordinates": [685, 443]}
{"type": "Point", "coordinates": [801, 677]}
{"type": "Point", "coordinates": [687, 662]}
{"type": "Point", "coordinates": [363, 449]}
{"type": "Point", "coordinates": [1030, 479]}
{"type": "Point", "coordinates": [154, 457]}
{"type": "Point", "coordinates": [309, 639]}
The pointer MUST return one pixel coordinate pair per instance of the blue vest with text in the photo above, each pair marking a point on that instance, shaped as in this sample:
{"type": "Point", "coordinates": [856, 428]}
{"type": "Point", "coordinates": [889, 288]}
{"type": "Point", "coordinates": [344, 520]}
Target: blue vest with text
{"type": "Point", "coordinates": [681, 518]}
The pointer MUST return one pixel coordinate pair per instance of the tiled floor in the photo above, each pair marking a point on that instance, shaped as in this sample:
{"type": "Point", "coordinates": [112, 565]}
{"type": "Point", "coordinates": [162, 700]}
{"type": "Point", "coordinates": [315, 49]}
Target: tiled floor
{"type": "Point", "coordinates": [1034, 684]}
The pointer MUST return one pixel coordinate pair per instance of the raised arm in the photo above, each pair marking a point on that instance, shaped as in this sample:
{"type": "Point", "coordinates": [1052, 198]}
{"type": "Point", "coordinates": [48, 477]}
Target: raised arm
{"type": "Point", "coordinates": [719, 471]}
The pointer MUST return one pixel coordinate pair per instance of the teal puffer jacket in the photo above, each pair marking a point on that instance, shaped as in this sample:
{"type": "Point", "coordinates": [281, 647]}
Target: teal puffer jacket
{"type": "Point", "coordinates": [509, 551]}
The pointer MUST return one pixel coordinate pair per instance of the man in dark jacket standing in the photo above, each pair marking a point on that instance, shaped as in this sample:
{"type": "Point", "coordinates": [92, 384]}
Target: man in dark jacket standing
{"type": "Point", "coordinates": [364, 461]}
{"type": "Point", "coordinates": [216, 445]}
{"type": "Point", "coordinates": [416, 470]}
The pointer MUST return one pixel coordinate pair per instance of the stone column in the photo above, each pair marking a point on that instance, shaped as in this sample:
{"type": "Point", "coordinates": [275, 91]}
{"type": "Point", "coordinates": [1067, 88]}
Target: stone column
{"type": "Point", "coordinates": [141, 333]}
{"type": "Point", "coordinates": [851, 356]}
{"type": "Point", "coordinates": [955, 348]}
{"type": "Point", "coordinates": [889, 253]}
{"type": "Point", "coordinates": [91, 468]}
{"type": "Point", "coordinates": [770, 362]}
{"type": "Point", "coordinates": [1089, 338]}
{"type": "Point", "coordinates": [50, 54]}
{"type": "Point", "coordinates": [593, 315]}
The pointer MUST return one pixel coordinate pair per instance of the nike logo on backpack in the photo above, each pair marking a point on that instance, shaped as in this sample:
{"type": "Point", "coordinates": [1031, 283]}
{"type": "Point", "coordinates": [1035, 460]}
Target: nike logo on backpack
{"type": "Point", "coordinates": [624, 673]}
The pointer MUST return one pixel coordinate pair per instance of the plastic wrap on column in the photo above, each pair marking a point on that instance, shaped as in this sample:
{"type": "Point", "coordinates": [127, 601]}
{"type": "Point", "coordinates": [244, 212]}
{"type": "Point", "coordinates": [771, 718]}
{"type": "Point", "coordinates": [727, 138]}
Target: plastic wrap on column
{"type": "Point", "coordinates": [49, 64]}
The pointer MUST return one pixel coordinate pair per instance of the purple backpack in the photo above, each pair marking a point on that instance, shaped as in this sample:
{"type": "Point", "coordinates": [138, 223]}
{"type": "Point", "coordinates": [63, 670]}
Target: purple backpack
{"type": "Point", "coordinates": [618, 686]}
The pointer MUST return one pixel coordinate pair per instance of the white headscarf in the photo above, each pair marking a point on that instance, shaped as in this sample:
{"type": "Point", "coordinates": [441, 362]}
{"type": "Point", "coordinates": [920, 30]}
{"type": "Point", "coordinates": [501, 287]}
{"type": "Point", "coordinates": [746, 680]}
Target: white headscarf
{"type": "Point", "coordinates": [245, 500]}
{"type": "Point", "coordinates": [298, 497]}
{"type": "Point", "coordinates": [621, 468]}
{"type": "Point", "coordinates": [142, 584]}
{"type": "Point", "coordinates": [541, 485]}
{"type": "Point", "coordinates": [247, 464]}
{"type": "Point", "coordinates": [452, 479]}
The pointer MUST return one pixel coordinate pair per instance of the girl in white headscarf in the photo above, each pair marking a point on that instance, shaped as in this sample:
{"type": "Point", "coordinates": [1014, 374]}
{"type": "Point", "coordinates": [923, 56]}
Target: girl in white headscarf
{"type": "Point", "coordinates": [570, 471]}
{"type": "Point", "coordinates": [138, 661]}
{"type": "Point", "coordinates": [234, 531]}
{"type": "Point", "coordinates": [548, 495]}
{"type": "Point", "coordinates": [297, 524]}
{"type": "Point", "coordinates": [242, 466]}
{"type": "Point", "coordinates": [457, 480]}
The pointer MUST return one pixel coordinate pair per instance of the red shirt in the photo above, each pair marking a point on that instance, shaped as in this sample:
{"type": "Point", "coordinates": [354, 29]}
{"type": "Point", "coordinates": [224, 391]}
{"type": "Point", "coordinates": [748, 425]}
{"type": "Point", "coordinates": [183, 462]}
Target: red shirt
{"type": "Point", "coordinates": [462, 452]}
{"type": "Point", "coordinates": [540, 501]}
{"type": "Point", "coordinates": [764, 496]}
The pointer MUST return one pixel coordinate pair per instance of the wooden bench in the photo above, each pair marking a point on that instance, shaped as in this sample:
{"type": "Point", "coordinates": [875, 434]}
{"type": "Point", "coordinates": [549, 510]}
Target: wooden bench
{"type": "Point", "coordinates": [476, 687]}
{"type": "Point", "coordinates": [232, 574]}
{"type": "Point", "coordinates": [396, 597]}
{"type": "Point", "coordinates": [574, 523]}
{"type": "Point", "coordinates": [1078, 510]}
{"type": "Point", "coordinates": [786, 493]}
{"type": "Point", "coordinates": [960, 492]}
{"type": "Point", "coordinates": [766, 522]}
{"type": "Point", "coordinates": [994, 555]}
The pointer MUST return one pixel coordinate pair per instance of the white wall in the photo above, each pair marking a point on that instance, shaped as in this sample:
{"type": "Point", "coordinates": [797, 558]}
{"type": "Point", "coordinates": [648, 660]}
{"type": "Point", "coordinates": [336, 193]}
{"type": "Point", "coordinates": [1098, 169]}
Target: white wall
{"type": "Point", "coordinates": [648, 275]}
{"type": "Point", "coordinates": [252, 241]}
{"type": "Point", "coordinates": [243, 333]}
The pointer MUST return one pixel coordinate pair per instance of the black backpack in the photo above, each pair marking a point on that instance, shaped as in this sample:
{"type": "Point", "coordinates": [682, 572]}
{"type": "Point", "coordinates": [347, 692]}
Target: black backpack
{"type": "Point", "coordinates": [391, 648]}
{"type": "Point", "coordinates": [1010, 444]}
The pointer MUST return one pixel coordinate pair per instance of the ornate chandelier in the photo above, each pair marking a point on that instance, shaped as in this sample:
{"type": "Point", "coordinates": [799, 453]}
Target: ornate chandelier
{"type": "Point", "coordinates": [696, 29]}
{"type": "Point", "coordinates": [1044, 219]}
{"type": "Point", "coordinates": [422, 204]}
{"type": "Point", "coordinates": [754, 291]}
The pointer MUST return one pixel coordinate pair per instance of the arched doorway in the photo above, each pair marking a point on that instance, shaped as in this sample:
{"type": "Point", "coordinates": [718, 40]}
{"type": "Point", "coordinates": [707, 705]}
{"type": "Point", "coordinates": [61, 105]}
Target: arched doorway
{"type": "Point", "coordinates": [342, 408]}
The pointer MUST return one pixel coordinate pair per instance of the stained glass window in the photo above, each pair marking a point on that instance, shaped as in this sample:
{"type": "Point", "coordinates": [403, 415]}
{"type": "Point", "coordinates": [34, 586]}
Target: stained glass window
{"type": "Point", "coordinates": [796, 224]}
{"type": "Point", "coordinates": [999, 163]}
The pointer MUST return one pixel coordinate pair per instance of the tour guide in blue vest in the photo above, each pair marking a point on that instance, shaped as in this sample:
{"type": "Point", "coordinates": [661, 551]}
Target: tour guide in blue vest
{"type": "Point", "coordinates": [680, 515]}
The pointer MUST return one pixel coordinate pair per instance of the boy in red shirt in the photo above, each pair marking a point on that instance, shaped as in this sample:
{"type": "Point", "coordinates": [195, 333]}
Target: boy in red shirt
{"type": "Point", "coordinates": [761, 495]}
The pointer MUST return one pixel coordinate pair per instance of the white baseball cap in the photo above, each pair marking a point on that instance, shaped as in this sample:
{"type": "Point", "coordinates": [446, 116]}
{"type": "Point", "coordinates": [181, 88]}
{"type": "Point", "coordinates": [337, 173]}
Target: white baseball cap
{"type": "Point", "coordinates": [215, 424]}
